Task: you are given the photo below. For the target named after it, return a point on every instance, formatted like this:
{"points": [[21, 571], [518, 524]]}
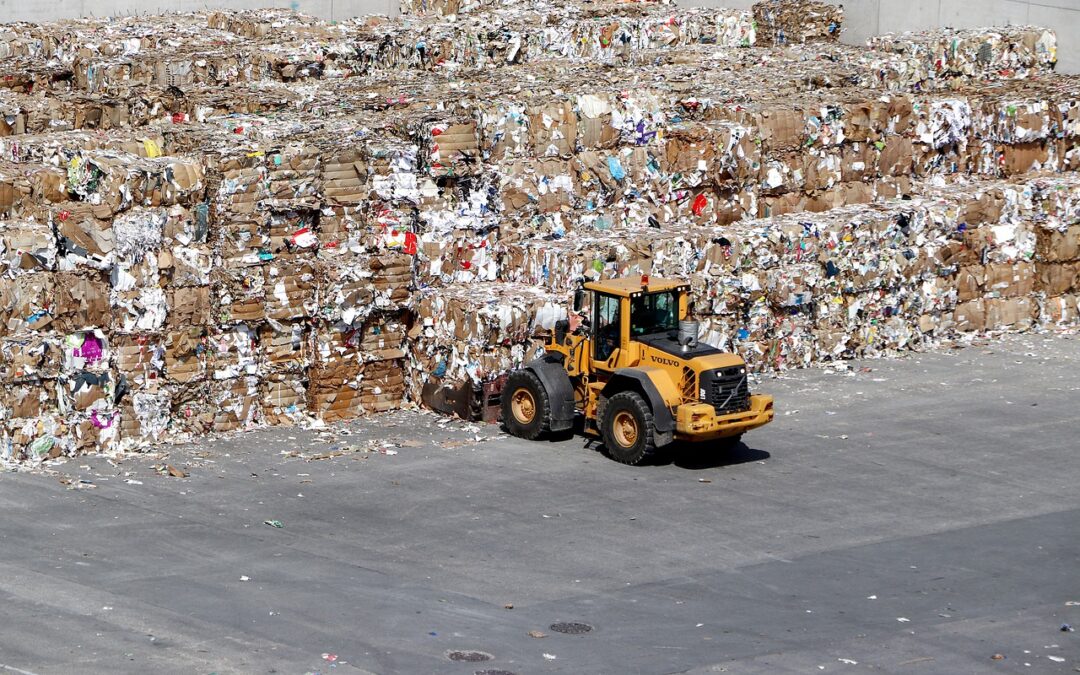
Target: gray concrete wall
{"points": [[870, 17], [864, 17]]}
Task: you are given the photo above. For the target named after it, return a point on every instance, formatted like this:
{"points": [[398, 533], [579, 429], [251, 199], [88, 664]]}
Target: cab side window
{"points": [[607, 327]]}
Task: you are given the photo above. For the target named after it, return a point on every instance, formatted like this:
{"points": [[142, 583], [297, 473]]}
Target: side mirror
{"points": [[579, 300]]}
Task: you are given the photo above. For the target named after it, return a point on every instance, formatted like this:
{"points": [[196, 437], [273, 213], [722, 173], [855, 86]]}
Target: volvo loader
{"points": [[629, 362]]}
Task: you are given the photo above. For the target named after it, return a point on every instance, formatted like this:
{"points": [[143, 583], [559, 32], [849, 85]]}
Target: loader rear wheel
{"points": [[627, 428], [526, 409]]}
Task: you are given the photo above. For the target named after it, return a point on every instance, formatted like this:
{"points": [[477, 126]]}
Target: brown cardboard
{"points": [[81, 301], [185, 359], [188, 307], [1057, 279]]}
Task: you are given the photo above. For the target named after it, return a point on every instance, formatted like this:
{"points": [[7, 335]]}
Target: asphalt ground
{"points": [[916, 515]]}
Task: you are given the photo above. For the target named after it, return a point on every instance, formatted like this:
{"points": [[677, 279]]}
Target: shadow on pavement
{"points": [[696, 457]]}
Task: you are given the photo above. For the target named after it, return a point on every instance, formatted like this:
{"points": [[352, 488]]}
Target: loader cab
{"points": [[623, 310]]}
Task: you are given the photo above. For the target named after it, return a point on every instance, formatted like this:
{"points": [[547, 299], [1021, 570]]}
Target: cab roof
{"points": [[630, 286]]}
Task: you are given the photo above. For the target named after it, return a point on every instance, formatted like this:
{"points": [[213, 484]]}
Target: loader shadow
{"points": [[698, 457], [695, 456]]}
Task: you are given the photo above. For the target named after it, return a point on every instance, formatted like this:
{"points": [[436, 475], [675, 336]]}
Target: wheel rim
{"points": [[625, 429], [523, 406]]}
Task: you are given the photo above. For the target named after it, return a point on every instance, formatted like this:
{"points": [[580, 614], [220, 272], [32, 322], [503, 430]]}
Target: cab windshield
{"points": [[654, 313]]}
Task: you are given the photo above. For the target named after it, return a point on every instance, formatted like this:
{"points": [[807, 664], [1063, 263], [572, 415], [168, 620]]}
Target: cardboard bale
{"points": [[139, 359], [26, 247], [27, 303], [947, 53], [781, 22], [189, 306], [35, 439], [971, 316], [240, 294], [96, 431], [334, 391], [1059, 245], [295, 178], [451, 148], [145, 417], [185, 356], [344, 178], [284, 398], [1010, 281], [290, 290], [86, 390], [81, 301], [380, 336], [284, 347], [1010, 313], [29, 399], [237, 402], [1056, 279], [193, 410], [1059, 310], [30, 358], [232, 352], [383, 386]]}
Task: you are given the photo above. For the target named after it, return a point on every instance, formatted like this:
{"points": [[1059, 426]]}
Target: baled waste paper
{"points": [[215, 221]]}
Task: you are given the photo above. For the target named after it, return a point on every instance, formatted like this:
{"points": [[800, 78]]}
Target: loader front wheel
{"points": [[526, 409], [627, 427]]}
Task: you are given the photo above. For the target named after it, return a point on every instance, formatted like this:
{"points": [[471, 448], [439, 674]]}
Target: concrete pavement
{"points": [[911, 516]]}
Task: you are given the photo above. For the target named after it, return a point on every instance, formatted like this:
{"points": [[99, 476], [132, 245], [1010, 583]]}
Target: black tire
{"points": [[618, 412], [524, 385]]}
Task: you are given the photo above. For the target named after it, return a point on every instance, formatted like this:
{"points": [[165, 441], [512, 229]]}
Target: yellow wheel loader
{"points": [[636, 372]]}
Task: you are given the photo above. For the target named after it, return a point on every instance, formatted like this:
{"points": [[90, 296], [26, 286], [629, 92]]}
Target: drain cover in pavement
{"points": [[571, 627], [494, 672], [468, 655]]}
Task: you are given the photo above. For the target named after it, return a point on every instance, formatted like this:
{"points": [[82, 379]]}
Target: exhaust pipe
{"points": [[688, 334]]}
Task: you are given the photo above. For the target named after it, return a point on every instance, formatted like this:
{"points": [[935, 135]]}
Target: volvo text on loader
{"points": [[636, 373]]}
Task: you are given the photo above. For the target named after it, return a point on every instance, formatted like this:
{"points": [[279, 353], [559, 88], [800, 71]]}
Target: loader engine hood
{"points": [[667, 342]]}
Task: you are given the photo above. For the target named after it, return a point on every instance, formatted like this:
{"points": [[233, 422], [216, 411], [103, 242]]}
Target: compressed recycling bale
{"points": [[284, 347], [350, 287], [232, 352], [1055, 279], [27, 247], [238, 403], [139, 359], [461, 338], [1059, 311], [36, 439], [185, 356], [1011, 51], [145, 417], [379, 336], [284, 398], [1060, 244], [781, 22], [239, 294], [345, 389], [344, 177], [29, 399], [289, 290], [96, 431], [414, 212], [192, 408], [30, 358]]}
